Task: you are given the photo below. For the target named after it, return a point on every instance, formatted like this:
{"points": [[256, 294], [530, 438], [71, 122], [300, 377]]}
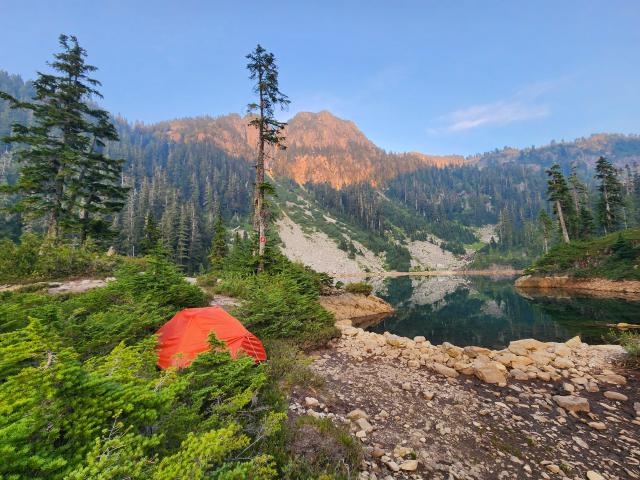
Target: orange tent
{"points": [[186, 335]]}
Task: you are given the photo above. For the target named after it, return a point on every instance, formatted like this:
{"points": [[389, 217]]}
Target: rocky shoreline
{"points": [[531, 410], [591, 286]]}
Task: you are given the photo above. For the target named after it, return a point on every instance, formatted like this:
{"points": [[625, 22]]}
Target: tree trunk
{"points": [[563, 226], [259, 217], [546, 244]]}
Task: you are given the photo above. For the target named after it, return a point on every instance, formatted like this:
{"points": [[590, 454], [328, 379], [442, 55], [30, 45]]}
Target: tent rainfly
{"points": [[186, 335]]}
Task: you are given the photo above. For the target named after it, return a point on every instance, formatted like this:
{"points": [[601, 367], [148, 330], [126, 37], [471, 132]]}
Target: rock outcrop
{"points": [[355, 309], [591, 286]]}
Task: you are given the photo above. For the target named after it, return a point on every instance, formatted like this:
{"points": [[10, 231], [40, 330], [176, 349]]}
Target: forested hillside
{"points": [[181, 174]]}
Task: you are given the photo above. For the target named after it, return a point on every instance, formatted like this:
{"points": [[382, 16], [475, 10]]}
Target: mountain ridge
{"points": [[321, 148]]}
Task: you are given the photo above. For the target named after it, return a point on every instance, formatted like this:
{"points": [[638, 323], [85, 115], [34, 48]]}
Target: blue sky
{"points": [[433, 76]]}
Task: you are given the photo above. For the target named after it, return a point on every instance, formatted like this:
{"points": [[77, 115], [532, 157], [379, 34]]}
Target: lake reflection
{"points": [[490, 313]]}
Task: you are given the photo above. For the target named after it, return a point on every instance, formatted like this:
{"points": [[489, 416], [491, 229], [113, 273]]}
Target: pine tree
{"points": [[610, 202], [264, 71], [559, 194], [150, 243], [219, 248], [64, 175], [580, 197]]}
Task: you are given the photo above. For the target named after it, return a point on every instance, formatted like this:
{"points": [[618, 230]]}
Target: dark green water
{"points": [[490, 313]]}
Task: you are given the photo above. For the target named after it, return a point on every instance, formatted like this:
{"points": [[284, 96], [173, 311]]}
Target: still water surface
{"points": [[488, 312]]}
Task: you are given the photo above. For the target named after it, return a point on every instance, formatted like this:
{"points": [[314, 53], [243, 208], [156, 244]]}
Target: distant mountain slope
{"points": [[620, 149], [321, 148]]}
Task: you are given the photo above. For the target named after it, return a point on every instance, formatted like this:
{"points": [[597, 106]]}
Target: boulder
{"points": [[473, 352], [573, 343], [490, 372], [444, 370], [520, 361], [505, 358], [541, 358], [528, 344], [564, 363], [572, 403], [518, 374]]}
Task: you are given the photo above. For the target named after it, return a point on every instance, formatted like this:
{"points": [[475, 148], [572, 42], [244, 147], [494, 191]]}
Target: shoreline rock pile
{"points": [[573, 362]]}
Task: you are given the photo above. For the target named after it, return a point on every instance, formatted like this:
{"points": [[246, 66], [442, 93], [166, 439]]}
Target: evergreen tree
{"points": [[151, 236], [64, 176], [610, 203], [264, 71], [219, 248], [580, 197], [558, 193], [587, 224]]}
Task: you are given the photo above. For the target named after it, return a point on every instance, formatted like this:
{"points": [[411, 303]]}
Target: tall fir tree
{"points": [[264, 72], [219, 248], [558, 194], [581, 222], [151, 237], [64, 175], [611, 202]]}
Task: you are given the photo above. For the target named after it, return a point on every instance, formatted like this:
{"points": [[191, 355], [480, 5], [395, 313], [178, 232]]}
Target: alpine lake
{"points": [[490, 312]]}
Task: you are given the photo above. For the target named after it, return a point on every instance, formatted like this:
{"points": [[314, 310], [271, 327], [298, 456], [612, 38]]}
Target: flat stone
{"points": [[615, 396], [572, 403], [377, 452], [592, 475], [419, 339], [393, 466], [357, 414], [401, 451], [446, 371], [311, 402], [364, 425], [597, 425], [409, 465], [580, 442], [527, 343], [612, 378], [553, 468]]}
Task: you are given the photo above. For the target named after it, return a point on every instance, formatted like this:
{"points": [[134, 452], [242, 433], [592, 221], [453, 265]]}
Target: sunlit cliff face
{"points": [[321, 148]]}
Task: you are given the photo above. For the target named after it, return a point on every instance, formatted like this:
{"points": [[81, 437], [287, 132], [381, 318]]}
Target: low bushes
{"points": [[615, 256], [35, 259], [359, 287]]}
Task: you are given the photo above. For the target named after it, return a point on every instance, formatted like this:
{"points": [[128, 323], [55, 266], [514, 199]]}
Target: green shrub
{"points": [[615, 256], [35, 259], [630, 341], [359, 287], [277, 306]]}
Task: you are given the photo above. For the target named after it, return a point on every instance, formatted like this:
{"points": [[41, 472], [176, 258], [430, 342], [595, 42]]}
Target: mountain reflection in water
{"points": [[488, 312]]}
